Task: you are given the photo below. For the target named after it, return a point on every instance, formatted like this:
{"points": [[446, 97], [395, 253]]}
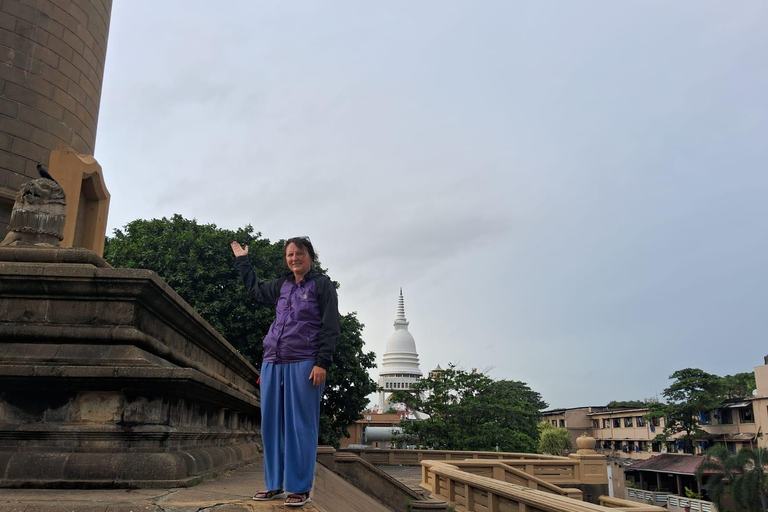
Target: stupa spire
{"points": [[400, 321]]}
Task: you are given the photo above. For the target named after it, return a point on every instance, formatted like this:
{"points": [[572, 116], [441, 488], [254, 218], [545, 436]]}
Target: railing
{"points": [[680, 504], [473, 493], [639, 495], [632, 506], [414, 457], [502, 472], [672, 502]]}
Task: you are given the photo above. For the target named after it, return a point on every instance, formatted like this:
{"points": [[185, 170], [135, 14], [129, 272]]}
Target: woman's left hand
{"points": [[317, 376]]}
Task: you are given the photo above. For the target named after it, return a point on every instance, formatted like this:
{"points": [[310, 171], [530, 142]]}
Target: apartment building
{"points": [[626, 433]]}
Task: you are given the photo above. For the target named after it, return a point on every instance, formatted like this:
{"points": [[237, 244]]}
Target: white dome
{"points": [[400, 356]]}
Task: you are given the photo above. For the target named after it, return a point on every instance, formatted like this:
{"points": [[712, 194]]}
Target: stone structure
{"points": [[400, 369], [53, 54], [109, 379], [38, 215]]}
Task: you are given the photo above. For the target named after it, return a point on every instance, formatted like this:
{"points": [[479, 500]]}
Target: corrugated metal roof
{"points": [[741, 436], [736, 405], [670, 463]]}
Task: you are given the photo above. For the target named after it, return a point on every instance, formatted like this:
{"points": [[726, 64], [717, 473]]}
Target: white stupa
{"points": [[400, 369]]}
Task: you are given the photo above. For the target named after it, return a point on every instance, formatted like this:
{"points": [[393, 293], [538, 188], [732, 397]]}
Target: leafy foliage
{"points": [[613, 404], [739, 385], [743, 475], [553, 440], [692, 391], [196, 261], [471, 411], [347, 384]]}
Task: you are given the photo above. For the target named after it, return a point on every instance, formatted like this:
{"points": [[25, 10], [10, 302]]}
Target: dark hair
{"points": [[302, 242]]}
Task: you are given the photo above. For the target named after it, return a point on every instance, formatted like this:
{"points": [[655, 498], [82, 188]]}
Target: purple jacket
{"points": [[306, 326]]}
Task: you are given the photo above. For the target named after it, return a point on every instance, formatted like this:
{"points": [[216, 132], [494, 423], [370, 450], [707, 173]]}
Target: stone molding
{"points": [[108, 378]]}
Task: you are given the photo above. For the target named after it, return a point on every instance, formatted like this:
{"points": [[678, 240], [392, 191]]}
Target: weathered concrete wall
{"points": [[108, 378]]}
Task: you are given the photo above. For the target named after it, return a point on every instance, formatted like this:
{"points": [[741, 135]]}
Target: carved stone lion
{"points": [[38, 215]]}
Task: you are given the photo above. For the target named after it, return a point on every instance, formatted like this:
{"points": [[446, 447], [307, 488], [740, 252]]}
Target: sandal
{"points": [[268, 495], [301, 499]]}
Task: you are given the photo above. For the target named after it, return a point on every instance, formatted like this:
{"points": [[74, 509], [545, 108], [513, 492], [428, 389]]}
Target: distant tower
{"points": [[400, 369]]}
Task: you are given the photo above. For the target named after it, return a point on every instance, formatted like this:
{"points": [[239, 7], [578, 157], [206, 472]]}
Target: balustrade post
{"points": [[592, 468], [469, 493], [493, 502]]}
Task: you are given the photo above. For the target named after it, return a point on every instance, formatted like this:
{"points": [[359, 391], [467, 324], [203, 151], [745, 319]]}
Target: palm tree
{"points": [[719, 461], [742, 475], [750, 489]]}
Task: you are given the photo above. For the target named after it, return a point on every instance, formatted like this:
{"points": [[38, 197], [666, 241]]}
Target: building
{"points": [[357, 432], [626, 433], [400, 369], [575, 420]]}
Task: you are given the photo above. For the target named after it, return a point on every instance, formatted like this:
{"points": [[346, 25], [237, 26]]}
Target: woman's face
{"points": [[298, 259]]}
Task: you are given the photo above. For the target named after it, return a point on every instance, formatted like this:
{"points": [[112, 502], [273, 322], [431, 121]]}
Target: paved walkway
{"points": [[409, 475], [231, 492]]}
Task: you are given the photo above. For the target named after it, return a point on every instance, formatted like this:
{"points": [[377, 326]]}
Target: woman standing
{"points": [[298, 350]]}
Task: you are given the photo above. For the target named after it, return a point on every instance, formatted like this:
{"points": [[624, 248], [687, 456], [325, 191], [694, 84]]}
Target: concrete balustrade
{"points": [[502, 472], [632, 506], [414, 457], [474, 493], [671, 502]]}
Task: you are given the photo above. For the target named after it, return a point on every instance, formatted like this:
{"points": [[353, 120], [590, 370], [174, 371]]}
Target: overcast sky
{"points": [[571, 194]]}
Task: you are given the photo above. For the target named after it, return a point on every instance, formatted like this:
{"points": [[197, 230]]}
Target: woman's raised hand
{"points": [[239, 250]]}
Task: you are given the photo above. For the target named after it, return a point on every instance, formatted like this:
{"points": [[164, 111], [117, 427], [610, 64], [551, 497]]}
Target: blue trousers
{"points": [[290, 420]]}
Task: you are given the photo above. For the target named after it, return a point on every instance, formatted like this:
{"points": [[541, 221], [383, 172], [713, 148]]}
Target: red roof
{"points": [[670, 463]]}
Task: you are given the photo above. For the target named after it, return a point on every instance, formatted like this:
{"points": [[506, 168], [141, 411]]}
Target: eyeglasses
{"points": [[293, 239]]}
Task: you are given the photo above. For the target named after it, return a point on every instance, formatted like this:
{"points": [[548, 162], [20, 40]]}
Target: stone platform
{"points": [[109, 379], [229, 493]]}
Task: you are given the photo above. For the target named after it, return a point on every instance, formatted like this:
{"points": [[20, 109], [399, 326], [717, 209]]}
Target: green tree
{"points": [[553, 440], [347, 384], [739, 385], [471, 411], [613, 404], [692, 391], [196, 261], [743, 475]]}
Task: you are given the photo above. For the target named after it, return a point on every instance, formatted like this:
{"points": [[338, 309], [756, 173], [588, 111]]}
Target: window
{"points": [[640, 421], [606, 423], [562, 423], [655, 421], [628, 422], [746, 415], [617, 445], [726, 416], [705, 417], [595, 423], [616, 422], [655, 446]]}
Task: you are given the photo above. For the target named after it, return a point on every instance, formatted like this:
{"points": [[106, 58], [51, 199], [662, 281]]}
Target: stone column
{"points": [[53, 54]]}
